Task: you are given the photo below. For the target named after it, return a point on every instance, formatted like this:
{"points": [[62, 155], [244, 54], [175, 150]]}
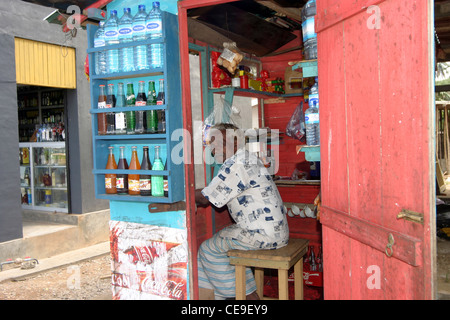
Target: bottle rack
{"points": [[170, 72]]}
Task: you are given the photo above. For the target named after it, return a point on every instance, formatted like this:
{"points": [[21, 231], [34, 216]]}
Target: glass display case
{"points": [[44, 176]]}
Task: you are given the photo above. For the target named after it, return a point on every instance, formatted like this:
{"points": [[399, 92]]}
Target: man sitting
{"points": [[254, 203]]}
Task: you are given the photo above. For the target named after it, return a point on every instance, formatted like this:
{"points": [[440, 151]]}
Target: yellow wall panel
{"points": [[44, 64]]}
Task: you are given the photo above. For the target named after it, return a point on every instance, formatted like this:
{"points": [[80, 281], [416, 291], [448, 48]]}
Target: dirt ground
{"points": [[91, 280], [87, 280]]}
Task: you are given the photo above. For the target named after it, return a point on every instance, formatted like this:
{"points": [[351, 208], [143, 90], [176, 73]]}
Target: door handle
{"points": [[411, 216]]}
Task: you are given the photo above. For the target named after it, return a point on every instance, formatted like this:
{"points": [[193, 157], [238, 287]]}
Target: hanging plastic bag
{"points": [[296, 126], [223, 112]]}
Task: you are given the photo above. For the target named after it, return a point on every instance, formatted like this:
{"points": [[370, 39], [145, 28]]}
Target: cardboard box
{"points": [[292, 81]]}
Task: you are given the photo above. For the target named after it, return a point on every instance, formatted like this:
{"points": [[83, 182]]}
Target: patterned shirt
{"points": [[253, 200]]}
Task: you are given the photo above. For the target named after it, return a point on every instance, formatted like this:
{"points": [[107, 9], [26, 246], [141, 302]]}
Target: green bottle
{"points": [[157, 180], [131, 117], [152, 115]]}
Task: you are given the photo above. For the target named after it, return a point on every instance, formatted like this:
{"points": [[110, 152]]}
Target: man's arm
{"points": [[200, 199]]}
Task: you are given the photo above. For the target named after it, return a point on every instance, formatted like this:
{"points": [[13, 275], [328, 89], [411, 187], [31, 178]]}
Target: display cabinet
{"points": [[170, 140], [44, 176]]}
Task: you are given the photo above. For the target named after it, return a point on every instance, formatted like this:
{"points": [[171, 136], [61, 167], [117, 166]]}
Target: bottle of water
{"points": [[140, 52], [111, 38], [126, 57], [309, 34], [154, 31], [312, 117], [100, 56]]}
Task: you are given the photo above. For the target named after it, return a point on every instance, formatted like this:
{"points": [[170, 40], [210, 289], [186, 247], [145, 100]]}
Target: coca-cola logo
{"points": [[169, 288]]}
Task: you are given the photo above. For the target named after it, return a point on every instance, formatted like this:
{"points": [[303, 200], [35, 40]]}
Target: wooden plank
{"points": [[286, 253], [298, 280], [405, 248], [283, 289], [240, 282]]}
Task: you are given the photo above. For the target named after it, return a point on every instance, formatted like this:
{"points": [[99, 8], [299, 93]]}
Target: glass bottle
{"points": [[157, 180], [131, 101], [141, 100], [122, 179], [110, 179], [101, 117], [110, 103], [145, 179], [166, 181], [161, 99], [152, 115], [133, 179], [121, 119]]}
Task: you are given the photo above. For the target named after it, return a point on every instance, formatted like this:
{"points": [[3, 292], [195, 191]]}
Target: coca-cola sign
{"points": [[149, 262]]}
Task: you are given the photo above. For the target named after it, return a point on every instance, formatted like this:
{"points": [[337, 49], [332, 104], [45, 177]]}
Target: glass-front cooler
{"points": [[48, 177]]}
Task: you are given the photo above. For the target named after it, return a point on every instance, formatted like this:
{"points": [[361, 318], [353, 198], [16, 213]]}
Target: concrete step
{"points": [[47, 234], [57, 261]]}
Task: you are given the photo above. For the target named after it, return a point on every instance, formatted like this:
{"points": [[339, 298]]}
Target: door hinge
{"points": [[411, 216]]}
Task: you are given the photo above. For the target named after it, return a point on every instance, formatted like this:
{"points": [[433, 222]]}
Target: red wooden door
{"points": [[377, 153]]}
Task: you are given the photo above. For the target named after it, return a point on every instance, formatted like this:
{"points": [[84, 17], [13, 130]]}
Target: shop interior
{"points": [[298, 177], [42, 115]]}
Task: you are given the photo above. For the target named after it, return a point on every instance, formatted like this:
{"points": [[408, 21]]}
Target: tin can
{"points": [[48, 197]]}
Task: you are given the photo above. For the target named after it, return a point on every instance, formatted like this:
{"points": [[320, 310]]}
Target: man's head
{"points": [[225, 140]]}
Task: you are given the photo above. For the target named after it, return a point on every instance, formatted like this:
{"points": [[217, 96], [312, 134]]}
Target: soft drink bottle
{"points": [[100, 56], [151, 115], [157, 180], [166, 181], [126, 36], [161, 100], [140, 52], [141, 100], [154, 31], [111, 38], [101, 117], [110, 103], [133, 179], [122, 179], [110, 179], [131, 101], [145, 179], [121, 119]]}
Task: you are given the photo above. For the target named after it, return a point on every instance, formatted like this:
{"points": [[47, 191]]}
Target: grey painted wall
{"points": [[25, 20]]}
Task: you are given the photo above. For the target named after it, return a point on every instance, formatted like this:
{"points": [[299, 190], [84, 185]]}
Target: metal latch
{"points": [[411, 216]]}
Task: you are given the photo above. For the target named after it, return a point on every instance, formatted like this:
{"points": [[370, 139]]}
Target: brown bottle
{"points": [[133, 179], [145, 179], [101, 117], [122, 179], [110, 179]]}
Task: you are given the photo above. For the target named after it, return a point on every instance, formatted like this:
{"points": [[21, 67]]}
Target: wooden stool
{"points": [[282, 259]]}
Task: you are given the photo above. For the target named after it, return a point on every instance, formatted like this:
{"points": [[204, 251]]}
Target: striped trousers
{"points": [[215, 271]]}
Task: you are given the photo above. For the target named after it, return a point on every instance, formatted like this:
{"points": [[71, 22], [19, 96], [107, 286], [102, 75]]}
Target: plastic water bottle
{"points": [[312, 117], [309, 34], [154, 31], [140, 52], [100, 56], [111, 38], [126, 55]]}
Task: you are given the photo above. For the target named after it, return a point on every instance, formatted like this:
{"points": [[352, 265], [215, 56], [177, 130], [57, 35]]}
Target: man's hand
{"points": [[200, 199]]}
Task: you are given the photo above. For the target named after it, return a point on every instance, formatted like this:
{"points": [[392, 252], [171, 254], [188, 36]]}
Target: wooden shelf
{"points": [[252, 93]]}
